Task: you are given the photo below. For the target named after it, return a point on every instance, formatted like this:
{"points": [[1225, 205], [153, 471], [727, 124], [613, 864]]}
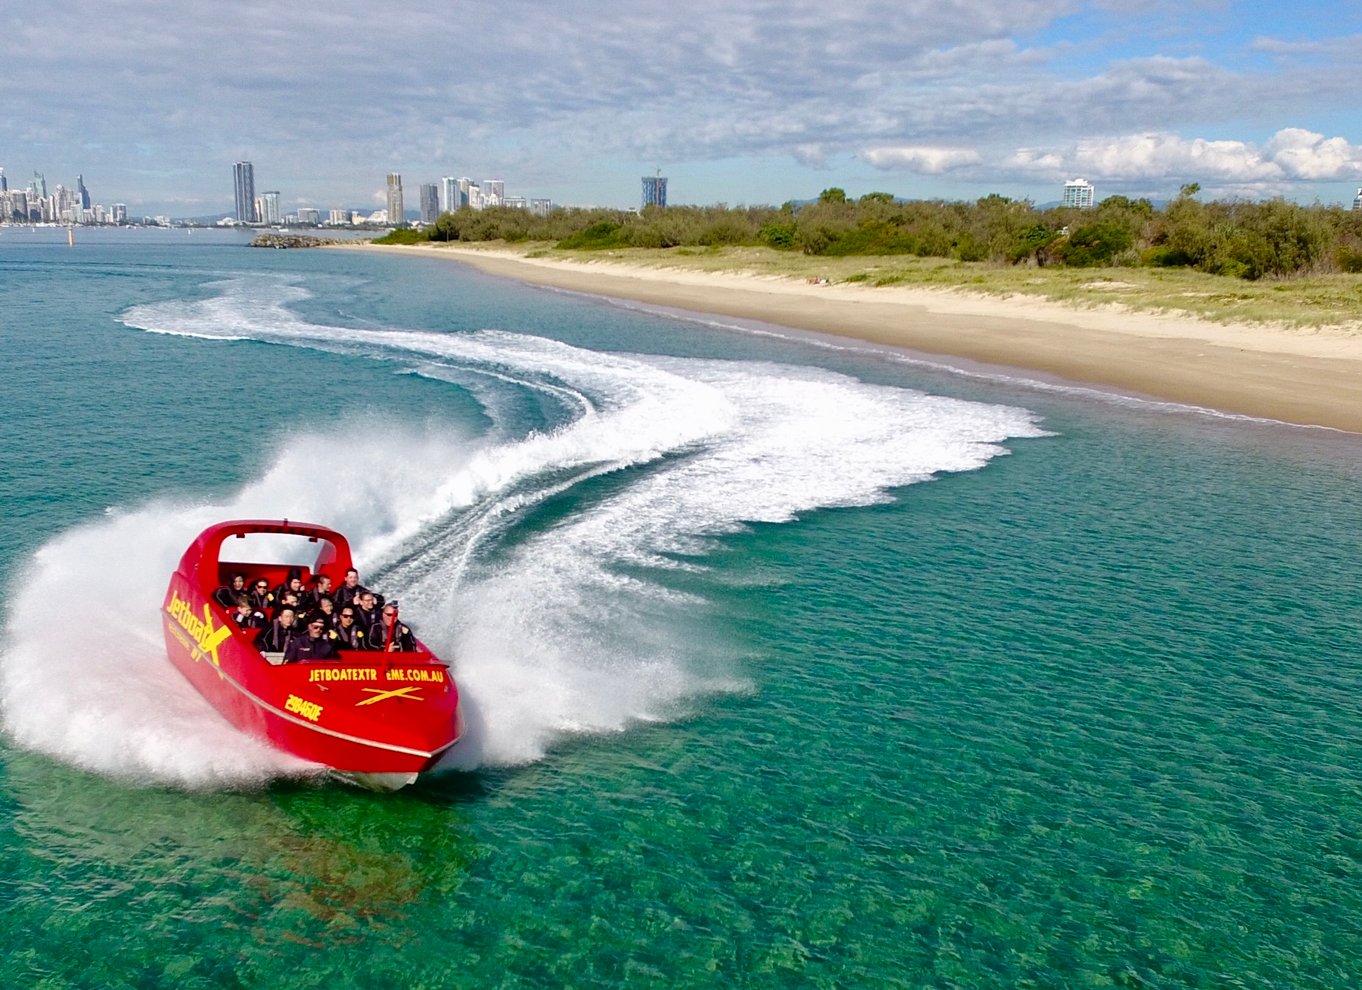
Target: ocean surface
{"points": [[788, 662]]}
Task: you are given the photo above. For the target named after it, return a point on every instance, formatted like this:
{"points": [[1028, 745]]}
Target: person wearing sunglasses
{"points": [[315, 644]]}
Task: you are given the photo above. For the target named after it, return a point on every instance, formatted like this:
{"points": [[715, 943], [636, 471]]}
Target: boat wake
{"points": [[558, 567]]}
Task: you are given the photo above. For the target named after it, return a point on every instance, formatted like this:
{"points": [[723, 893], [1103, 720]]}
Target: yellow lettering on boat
{"points": [[407, 692], [310, 710], [343, 674], [207, 637], [430, 675]]}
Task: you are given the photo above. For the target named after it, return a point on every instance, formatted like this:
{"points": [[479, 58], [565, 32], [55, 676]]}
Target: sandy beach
{"points": [[1307, 378]]}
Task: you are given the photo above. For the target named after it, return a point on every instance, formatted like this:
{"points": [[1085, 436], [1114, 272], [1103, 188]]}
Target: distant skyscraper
{"points": [[430, 202], [39, 185], [1078, 193], [493, 192], [82, 192], [449, 194], [1357, 200], [655, 190], [397, 214], [4, 183], [244, 175], [269, 202]]}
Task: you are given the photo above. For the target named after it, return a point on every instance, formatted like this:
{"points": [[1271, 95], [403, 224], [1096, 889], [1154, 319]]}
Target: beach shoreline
{"points": [[1308, 379]]}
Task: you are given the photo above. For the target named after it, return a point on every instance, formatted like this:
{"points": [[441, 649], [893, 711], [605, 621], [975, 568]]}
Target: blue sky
{"points": [[737, 101]]}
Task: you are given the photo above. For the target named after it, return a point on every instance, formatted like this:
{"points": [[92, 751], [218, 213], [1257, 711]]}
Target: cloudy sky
{"points": [[737, 101]]}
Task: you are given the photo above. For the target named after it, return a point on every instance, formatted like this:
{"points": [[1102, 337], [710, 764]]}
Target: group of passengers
{"points": [[314, 623]]}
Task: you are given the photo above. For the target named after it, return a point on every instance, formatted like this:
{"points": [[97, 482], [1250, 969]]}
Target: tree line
{"points": [[1252, 240]]}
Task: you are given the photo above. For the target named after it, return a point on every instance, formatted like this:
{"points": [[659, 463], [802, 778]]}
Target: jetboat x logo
{"points": [[207, 637]]}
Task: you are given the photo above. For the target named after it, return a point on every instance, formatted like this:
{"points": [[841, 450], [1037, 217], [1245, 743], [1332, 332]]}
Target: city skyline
{"points": [[737, 103]]}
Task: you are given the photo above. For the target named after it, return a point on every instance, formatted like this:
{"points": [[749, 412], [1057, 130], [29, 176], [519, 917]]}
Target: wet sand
{"points": [[1308, 378]]}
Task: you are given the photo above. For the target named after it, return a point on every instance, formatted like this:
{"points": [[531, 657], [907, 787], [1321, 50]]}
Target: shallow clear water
{"points": [[788, 663]]}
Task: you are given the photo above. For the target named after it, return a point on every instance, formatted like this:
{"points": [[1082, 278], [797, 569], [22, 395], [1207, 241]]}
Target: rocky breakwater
{"points": [[292, 241]]}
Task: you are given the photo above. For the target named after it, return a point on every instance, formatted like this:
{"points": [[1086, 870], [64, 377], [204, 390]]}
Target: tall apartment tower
{"points": [[1078, 193], [4, 183], [430, 202], [243, 175], [269, 207], [449, 194], [655, 190], [397, 212], [1357, 200], [82, 192]]}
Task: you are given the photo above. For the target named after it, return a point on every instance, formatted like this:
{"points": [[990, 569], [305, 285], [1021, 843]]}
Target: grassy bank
{"points": [[1308, 303]]}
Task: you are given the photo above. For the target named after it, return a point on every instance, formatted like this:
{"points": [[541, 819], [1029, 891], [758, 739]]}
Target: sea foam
{"points": [[554, 629]]}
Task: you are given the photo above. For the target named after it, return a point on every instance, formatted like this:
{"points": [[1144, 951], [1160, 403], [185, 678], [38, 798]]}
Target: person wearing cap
{"points": [[315, 644], [293, 583], [390, 635]]}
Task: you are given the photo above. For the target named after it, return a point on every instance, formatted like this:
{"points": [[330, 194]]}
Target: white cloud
{"points": [[927, 160]]}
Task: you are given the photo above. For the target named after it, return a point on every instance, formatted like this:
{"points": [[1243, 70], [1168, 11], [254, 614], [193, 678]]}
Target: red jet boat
{"points": [[377, 718]]}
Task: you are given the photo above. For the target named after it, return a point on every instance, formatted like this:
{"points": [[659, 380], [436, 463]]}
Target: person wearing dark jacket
{"points": [[350, 590], [247, 617], [390, 635], [366, 610], [227, 595], [276, 637], [349, 636], [315, 645], [321, 588], [293, 583], [261, 599]]}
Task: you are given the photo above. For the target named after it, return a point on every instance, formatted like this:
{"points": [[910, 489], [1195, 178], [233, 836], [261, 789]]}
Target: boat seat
{"points": [[276, 659]]}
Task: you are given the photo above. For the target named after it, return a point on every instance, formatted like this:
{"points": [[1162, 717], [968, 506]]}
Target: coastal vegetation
{"points": [[1253, 241]]}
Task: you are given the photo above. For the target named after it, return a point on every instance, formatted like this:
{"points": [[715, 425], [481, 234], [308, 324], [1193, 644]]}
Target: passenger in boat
{"points": [[261, 599], [276, 637], [247, 617], [326, 608], [288, 600], [349, 590], [390, 635], [349, 636], [227, 595], [366, 610], [315, 644], [293, 583], [321, 588]]}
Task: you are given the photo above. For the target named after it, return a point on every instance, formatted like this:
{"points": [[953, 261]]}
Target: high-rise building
{"points": [[269, 206], [39, 185], [1078, 193], [430, 202], [1357, 200], [120, 213], [468, 193], [244, 175], [309, 216], [82, 192], [4, 183], [493, 192], [397, 214], [449, 194], [655, 190]]}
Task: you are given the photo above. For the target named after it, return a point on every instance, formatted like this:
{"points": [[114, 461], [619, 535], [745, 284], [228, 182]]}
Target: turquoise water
{"points": [[753, 701]]}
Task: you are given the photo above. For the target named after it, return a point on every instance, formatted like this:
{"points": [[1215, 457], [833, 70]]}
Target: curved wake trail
{"points": [[555, 629]]}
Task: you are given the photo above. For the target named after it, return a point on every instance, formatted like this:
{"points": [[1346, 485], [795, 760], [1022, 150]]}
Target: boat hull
{"points": [[370, 713]]}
